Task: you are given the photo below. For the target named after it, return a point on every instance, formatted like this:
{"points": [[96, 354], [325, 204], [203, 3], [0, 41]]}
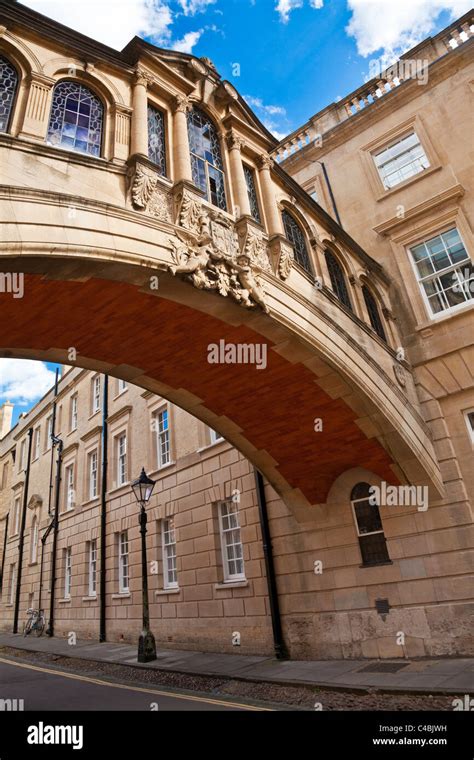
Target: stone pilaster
{"points": [[123, 120], [38, 106]]}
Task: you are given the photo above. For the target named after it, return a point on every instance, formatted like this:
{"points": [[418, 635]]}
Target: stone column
{"points": [[139, 136], [237, 176], [272, 212], [182, 159], [38, 106]]}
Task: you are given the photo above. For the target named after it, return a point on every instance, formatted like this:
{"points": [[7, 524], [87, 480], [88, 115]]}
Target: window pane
{"points": [[338, 279], [76, 118], [252, 193], [156, 139], [294, 234], [8, 86], [205, 152]]}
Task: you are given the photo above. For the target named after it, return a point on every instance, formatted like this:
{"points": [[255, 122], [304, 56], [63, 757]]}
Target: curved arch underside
{"points": [[162, 345]]}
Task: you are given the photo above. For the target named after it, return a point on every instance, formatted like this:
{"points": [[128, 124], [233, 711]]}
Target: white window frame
{"points": [[229, 576], [92, 569], [12, 587], [122, 476], [49, 432], [169, 556], [122, 386], [96, 386], [37, 443], [93, 473], [124, 562], [163, 438], [70, 482], [215, 437], [451, 269], [73, 413], [34, 540], [16, 515], [67, 572], [21, 461], [422, 160], [469, 425]]}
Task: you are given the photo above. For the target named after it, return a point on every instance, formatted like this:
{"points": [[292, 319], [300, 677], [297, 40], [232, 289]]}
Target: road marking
{"points": [[98, 682]]}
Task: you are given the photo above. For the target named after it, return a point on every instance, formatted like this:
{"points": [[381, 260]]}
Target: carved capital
{"points": [[181, 104], [265, 162], [234, 142], [142, 77]]}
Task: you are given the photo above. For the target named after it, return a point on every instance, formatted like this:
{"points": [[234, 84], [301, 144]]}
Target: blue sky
{"points": [[294, 57]]}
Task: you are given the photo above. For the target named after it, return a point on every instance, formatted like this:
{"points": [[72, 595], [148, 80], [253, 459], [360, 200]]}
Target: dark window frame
{"points": [[337, 276], [296, 237], [372, 543]]}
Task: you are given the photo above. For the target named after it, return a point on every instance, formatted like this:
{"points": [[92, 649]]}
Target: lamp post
{"points": [[143, 489]]}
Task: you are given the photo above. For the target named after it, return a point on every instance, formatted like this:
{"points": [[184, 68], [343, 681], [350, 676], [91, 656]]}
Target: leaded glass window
{"points": [[156, 139], [8, 85], [76, 119], [206, 160], [252, 193], [373, 311], [296, 237], [338, 279], [373, 546]]}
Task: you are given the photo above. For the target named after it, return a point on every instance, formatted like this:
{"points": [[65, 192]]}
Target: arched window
{"points": [[373, 546], [373, 311], [295, 235], [8, 86], [156, 139], [206, 159], [76, 119], [34, 540], [338, 279]]}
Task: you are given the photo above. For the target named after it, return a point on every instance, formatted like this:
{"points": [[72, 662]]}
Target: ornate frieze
{"points": [[147, 194], [286, 261]]}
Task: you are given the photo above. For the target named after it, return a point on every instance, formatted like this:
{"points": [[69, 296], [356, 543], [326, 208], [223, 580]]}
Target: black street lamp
{"points": [[143, 489]]}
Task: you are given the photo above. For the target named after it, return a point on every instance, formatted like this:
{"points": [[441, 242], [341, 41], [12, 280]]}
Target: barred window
{"points": [[170, 573], [92, 575], [123, 563], [295, 235], [156, 139], [231, 542], [8, 88], [445, 271], [76, 119], [252, 193], [206, 159], [373, 546], [338, 279], [373, 312], [67, 572]]}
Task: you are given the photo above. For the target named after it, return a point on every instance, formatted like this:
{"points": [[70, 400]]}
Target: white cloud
{"points": [[187, 43], [284, 7], [191, 7], [394, 27], [274, 130], [260, 105], [23, 380], [110, 21]]}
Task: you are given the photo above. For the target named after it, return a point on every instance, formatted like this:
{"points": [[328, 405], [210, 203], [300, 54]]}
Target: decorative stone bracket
{"points": [[147, 193]]}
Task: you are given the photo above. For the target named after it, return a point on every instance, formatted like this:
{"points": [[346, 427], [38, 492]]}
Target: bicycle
{"points": [[36, 622]]}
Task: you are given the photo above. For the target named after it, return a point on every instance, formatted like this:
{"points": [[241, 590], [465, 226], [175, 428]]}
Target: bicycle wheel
{"points": [[39, 627], [27, 627]]}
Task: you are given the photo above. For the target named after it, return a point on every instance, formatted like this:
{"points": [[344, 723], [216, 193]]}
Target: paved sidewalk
{"points": [[440, 676]]}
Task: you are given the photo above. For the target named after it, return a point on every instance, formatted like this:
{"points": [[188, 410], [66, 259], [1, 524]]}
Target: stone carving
{"points": [[193, 217], [208, 268], [182, 104], [256, 249], [223, 235], [400, 374], [146, 193], [287, 257]]}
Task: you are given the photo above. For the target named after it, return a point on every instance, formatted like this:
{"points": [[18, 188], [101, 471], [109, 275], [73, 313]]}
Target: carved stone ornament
{"points": [[193, 217], [182, 104], [209, 268], [400, 374], [142, 76], [148, 195], [35, 502], [256, 250], [287, 258]]}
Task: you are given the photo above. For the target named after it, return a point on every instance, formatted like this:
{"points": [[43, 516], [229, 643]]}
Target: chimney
{"points": [[6, 414]]}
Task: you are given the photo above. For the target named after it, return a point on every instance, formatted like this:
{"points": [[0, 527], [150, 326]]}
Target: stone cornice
{"points": [[125, 410], [91, 433], [395, 222]]}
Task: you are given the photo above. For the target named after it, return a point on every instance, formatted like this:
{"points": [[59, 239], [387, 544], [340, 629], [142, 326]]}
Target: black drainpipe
{"points": [[43, 541], [53, 433], [5, 538], [103, 506], [278, 641], [333, 200], [59, 443], [22, 533]]}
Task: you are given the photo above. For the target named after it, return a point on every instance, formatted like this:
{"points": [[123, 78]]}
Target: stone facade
{"points": [[338, 404]]}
